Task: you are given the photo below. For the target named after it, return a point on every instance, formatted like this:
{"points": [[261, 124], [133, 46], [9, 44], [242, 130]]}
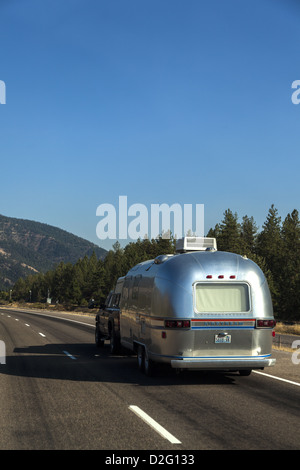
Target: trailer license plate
{"points": [[223, 339]]}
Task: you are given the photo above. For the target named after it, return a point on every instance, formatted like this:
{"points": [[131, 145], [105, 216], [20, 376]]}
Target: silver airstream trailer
{"points": [[198, 309]]}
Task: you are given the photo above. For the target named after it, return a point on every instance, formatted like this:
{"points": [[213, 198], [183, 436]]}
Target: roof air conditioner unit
{"points": [[187, 244]]}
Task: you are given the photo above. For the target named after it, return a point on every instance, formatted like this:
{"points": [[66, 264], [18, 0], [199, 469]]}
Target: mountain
{"points": [[28, 247]]}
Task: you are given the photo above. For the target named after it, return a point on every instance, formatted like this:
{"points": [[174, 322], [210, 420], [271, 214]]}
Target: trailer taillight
{"points": [[177, 324], [262, 323], [220, 276]]}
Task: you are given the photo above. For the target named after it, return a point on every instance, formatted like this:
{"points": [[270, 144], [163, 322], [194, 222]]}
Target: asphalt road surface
{"points": [[58, 391]]}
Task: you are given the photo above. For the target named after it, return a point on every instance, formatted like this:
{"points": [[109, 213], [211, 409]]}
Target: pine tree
{"points": [[76, 283], [290, 268], [229, 237], [20, 289], [248, 235], [270, 247], [97, 283], [269, 242]]}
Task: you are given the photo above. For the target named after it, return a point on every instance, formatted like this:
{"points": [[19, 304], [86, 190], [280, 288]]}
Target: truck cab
{"points": [[108, 320]]}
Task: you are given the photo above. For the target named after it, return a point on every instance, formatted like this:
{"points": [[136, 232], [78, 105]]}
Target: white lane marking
{"points": [[26, 324], [88, 324], [42, 334], [157, 427], [277, 378], [16, 319], [69, 355], [58, 318]]}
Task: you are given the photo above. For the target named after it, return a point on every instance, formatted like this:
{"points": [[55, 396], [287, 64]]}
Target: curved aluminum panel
{"points": [[168, 285], [154, 291]]}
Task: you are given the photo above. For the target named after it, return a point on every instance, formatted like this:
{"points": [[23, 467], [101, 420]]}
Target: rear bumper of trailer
{"points": [[223, 363]]}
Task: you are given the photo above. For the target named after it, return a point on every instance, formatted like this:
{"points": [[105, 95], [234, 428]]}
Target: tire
{"points": [[245, 373], [98, 340], [141, 358], [114, 341], [149, 366]]}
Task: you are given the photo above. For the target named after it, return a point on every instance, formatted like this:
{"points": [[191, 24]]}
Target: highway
{"points": [[60, 392]]}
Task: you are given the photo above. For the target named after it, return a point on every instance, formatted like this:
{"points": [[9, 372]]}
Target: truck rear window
{"points": [[223, 297]]}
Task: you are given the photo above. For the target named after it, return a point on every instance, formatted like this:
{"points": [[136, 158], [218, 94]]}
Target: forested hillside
{"points": [[275, 248], [30, 247]]}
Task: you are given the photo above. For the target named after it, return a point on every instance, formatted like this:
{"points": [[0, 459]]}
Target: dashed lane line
{"points": [[88, 324], [69, 355], [154, 424]]}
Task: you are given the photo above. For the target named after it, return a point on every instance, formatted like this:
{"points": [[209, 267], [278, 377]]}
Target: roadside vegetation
{"points": [[275, 248], [290, 329]]}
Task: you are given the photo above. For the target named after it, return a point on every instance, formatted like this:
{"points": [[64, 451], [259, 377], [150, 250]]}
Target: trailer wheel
{"points": [[98, 339], [114, 341], [149, 366], [245, 373], [141, 357]]}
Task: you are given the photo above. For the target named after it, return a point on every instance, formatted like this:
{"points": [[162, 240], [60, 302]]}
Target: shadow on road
{"points": [[85, 362]]}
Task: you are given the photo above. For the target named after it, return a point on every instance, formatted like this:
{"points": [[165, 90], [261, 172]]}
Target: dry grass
{"points": [[288, 329], [283, 329], [282, 348]]}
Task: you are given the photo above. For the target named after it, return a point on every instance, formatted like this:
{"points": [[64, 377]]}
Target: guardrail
{"points": [[284, 340]]}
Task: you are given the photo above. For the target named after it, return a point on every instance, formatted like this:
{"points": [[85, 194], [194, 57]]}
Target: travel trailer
{"points": [[198, 309]]}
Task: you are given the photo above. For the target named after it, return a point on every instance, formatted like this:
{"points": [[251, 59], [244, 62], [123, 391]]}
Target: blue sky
{"points": [[164, 101]]}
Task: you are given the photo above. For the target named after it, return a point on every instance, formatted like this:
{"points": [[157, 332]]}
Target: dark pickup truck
{"points": [[108, 320]]}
